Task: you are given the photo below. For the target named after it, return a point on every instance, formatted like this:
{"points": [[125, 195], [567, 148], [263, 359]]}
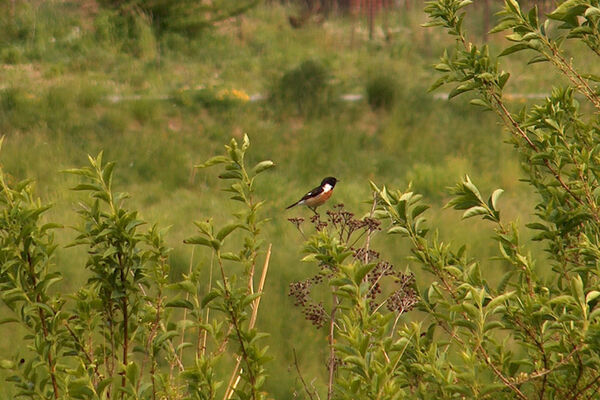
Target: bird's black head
{"points": [[329, 180]]}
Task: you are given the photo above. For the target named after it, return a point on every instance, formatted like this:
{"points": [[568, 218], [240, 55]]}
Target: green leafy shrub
{"points": [[129, 32], [382, 91], [305, 88], [16, 108], [187, 17], [533, 332], [130, 332], [11, 55], [368, 296]]}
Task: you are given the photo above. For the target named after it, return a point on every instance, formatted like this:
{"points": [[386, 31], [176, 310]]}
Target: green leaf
{"points": [[503, 25], [577, 289], [107, 173], [187, 286], [226, 230], [474, 211], [398, 230], [492, 325], [418, 210], [103, 385], [592, 12], [209, 297], [532, 16], [568, 10], [362, 271], [199, 240], [494, 198], [592, 295], [213, 161], [463, 3], [480, 103], [231, 175], [440, 82], [263, 166], [88, 186], [180, 303], [230, 256], [503, 79], [8, 320], [463, 88], [563, 299], [132, 371], [513, 5], [513, 49], [500, 299], [309, 258]]}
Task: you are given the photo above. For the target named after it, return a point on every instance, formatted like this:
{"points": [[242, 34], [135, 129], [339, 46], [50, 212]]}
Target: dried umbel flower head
{"points": [[382, 269], [402, 300], [300, 291], [296, 221], [315, 313], [405, 280], [365, 255], [317, 222], [372, 224]]}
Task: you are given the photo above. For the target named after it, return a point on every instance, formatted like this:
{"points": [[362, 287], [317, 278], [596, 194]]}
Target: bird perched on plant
{"points": [[318, 195]]}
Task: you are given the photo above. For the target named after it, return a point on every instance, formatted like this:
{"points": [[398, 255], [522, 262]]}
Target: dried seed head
{"points": [[363, 254], [315, 313], [317, 222], [300, 291], [372, 224], [296, 221], [402, 300]]}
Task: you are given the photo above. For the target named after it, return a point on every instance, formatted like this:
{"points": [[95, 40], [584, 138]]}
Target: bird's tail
{"points": [[295, 204]]}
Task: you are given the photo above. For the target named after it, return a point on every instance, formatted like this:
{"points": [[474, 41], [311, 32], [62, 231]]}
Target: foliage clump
{"points": [[305, 89], [382, 91], [187, 17], [367, 298], [531, 334], [130, 332]]}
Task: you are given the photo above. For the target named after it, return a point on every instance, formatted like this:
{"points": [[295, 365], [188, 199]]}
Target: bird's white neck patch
{"points": [[327, 188]]}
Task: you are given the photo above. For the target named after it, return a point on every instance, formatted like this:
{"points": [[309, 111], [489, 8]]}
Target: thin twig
{"points": [[233, 380], [300, 375], [368, 241], [210, 277], [331, 348], [235, 377], [261, 284], [187, 297]]}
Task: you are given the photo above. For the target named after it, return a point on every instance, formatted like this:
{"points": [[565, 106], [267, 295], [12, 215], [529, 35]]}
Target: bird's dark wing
{"points": [[315, 192]]}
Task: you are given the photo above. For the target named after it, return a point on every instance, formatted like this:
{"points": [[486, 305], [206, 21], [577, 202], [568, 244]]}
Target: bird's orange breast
{"points": [[318, 200]]}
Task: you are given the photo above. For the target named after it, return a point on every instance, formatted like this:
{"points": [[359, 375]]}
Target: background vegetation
{"points": [[79, 77]]}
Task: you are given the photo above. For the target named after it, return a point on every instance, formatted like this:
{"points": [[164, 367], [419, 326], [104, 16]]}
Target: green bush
{"points": [[187, 17], [129, 32], [11, 55], [382, 91], [130, 332], [533, 333], [306, 89]]}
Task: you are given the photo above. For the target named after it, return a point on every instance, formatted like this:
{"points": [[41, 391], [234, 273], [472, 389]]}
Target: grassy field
{"points": [[71, 85]]}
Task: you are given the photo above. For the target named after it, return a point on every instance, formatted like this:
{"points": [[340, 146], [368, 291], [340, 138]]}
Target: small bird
{"points": [[318, 195]]}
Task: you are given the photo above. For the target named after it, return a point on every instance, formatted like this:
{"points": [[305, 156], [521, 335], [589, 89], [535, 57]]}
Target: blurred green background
{"points": [[80, 77]]}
